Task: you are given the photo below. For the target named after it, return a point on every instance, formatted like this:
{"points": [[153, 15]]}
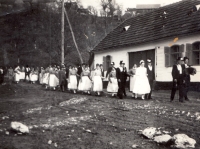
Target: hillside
{"points": [[33, 36]]}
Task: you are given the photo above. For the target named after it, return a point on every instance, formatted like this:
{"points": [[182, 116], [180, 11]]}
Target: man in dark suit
{"points": [[178, 75], [121, 73], [27, 72], [110, 69], [62, 78], [187, 77], [102, 70], [151, 77]]}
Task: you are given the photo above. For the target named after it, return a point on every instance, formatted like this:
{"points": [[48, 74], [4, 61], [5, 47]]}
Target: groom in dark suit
{"points": [[151, 77], [178, 75], [121, 74]]}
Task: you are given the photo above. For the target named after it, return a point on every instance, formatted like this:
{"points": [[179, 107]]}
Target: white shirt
{"points": [[179, 68], [186, 66], [150, 67], [121, 69]]}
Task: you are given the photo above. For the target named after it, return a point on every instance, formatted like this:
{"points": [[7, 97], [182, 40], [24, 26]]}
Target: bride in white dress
{"points": [[141, 85]]}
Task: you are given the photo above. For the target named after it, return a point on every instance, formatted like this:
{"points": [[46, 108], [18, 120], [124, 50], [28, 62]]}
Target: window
{"points": [[193, 53], [172, 53], [196, 53]]}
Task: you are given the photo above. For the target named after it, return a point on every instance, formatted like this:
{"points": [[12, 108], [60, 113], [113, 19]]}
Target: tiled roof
{"points": [[154, 26], [147, 6]]}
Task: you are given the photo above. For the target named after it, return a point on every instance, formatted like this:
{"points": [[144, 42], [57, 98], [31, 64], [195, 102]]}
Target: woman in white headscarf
{"points": [[141, 85], [17, 74]]}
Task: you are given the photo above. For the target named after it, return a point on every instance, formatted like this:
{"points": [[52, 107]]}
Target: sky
{"points": [[127, 3]]}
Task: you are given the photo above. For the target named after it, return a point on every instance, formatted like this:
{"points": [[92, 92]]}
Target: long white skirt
{"points": [[97, 84], [41, 78], [33, 77], [132, 82], [17, 77], [53, 80], [112, 87], [46, 78], [22, 75], [73, 82], [141, 85], [85, 84]]}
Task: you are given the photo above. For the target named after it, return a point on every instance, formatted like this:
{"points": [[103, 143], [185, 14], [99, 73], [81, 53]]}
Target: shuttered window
{"points": [[167, 56], [172, 53], [196, 53]]}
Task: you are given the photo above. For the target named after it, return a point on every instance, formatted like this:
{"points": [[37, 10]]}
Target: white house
{"points": [[161, 35]]}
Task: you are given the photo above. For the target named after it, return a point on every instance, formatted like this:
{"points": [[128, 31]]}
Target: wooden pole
{"points": [[73, 36], [62, 33]]}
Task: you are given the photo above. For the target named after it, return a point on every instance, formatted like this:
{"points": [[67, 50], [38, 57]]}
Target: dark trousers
{"points": [[178, 85], [27, 74], [121, 89], [151, 86], [187, 86]]}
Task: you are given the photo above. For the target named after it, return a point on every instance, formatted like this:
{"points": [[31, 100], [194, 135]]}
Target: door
{"points": [[135, 57]]}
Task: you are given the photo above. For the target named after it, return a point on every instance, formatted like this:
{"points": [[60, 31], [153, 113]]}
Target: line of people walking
{"points": [[86, 81]]}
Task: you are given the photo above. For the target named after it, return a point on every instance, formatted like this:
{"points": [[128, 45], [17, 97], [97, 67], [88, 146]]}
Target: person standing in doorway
{"points": [[151, 77], [178, 76]]}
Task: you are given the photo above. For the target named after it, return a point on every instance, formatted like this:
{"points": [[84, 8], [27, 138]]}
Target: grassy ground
{"points": [[78, 121]]}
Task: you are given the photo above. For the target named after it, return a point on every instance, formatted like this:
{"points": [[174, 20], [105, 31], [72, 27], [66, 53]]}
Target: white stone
{"points": [[162, 138], [19, 127], [135, 146], [49, 142], [183, 141], [149, 132]]}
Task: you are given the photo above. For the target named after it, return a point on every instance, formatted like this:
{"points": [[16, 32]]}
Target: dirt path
{"points": [[90, 122]]}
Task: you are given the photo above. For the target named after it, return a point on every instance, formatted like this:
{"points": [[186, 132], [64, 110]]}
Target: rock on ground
{"points": [[162, 139], [19, 127], [149, 132], [183, 141]]}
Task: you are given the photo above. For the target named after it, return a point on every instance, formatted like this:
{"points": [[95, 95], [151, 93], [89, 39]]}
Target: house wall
{"points": [[163, 74]]}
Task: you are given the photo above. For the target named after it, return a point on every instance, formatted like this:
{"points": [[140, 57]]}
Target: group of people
{"points": [[83, 79], [181, 72]]}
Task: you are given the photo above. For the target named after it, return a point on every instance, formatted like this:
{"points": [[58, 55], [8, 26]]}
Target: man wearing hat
{"points": [[187, 77], [121, 74], [178, 75], [110, 69], [151, 77]]}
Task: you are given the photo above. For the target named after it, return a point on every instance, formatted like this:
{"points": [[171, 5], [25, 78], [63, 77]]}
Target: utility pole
{"points": [[62, 32]]}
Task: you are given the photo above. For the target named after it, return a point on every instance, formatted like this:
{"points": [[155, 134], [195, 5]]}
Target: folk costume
{"points": [[33, 76], [72, 84], [45, 79], [97, 80], [85, 83], [53, 79], [113, 83], [42, 72], [17, 74]]}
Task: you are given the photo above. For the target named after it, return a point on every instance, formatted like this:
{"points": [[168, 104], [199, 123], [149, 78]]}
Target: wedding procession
{"points": [[99, 74]]}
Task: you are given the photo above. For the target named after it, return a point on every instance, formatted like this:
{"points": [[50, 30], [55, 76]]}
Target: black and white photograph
{"points": [[99, 74]]}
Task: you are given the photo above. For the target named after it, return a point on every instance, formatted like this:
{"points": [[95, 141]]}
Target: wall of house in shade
{"points": [[163, 72]]}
